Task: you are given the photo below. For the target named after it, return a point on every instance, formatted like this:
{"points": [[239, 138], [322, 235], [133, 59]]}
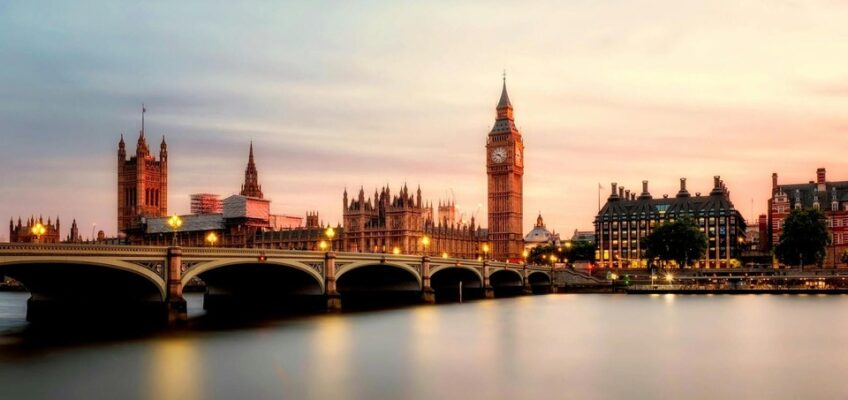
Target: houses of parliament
{"points": [[394, 222]]}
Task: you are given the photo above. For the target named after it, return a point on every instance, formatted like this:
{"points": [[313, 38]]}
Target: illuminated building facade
{"points": [[627, 219]]}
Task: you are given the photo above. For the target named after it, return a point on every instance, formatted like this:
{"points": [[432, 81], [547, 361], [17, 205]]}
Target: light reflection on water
{"points": [[556, 346]]}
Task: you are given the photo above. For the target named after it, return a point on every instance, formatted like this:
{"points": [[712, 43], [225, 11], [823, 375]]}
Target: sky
{"points": [[346, 94]]}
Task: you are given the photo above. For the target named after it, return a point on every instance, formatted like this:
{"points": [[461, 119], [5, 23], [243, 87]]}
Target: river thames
{"points": [[565, 346]]}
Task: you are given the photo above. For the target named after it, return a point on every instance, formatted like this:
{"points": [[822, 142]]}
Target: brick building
{"points": [[830, 197], [142, 185], [22, 232]]}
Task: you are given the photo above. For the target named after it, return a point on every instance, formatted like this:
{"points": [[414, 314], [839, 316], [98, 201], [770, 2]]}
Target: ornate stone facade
{"points": [[385, 222], [142, 184], [22, 231], [505, 169]]}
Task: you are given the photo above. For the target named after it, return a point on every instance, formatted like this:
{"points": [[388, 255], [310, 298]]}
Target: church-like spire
{"points": [[504, 108], [251, 187], [504, 101]]}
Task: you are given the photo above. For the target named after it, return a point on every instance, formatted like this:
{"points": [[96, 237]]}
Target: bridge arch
{"points": [[455, 282], [439, 268], [506, 277], [365, 264], [539, 278], [201, 268], [17, 268]]}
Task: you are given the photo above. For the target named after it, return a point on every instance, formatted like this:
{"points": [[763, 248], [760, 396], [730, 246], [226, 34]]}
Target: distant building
{"points": [[583, 236], [283, 221], [206, 203], [142, 184], [829, 197], [386, 221], [625, 220], [22, 232], [540, 235], [74, 235]]}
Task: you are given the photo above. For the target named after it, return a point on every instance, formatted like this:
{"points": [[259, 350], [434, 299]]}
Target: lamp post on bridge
{"points": [[330, 233], [175, 222], [425, 243], [38, 230], [211, 238]]}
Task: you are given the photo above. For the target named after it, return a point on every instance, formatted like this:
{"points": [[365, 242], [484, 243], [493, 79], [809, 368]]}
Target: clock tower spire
{"points": [[505, 170]]}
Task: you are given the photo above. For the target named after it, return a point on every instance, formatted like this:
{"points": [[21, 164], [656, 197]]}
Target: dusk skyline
{"points": [[348, 96]]}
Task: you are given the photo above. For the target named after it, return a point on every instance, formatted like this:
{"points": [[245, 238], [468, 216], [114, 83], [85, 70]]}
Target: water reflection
{"points": [[175, 370], [558, 346]]}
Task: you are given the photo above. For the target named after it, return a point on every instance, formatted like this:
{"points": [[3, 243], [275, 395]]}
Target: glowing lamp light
{"points": [[38, 230], [396, 250], [322, 245], [444, 255], [211, 238], [425, 241], [175, 222], [669, 278], [330, 232]]}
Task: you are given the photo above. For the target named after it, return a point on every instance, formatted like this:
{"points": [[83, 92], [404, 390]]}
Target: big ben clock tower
{"points": [[505, 169]]}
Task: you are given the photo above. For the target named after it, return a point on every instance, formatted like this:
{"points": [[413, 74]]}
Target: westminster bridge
{"points": [[104, 280]]}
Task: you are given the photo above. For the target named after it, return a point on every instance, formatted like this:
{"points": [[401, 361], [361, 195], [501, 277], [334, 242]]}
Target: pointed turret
{"points": [[504, 107], [163, 149], [251, 187]]}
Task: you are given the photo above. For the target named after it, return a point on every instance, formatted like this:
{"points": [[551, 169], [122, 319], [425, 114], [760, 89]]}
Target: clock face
{"points": [[499, 155]]}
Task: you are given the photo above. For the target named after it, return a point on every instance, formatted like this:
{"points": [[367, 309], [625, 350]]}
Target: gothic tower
{"points": [[142, 183], [505, 169], [251, 187]]}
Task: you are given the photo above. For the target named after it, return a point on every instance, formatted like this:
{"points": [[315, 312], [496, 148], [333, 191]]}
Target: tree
{"points": [[804, 238], [578, 250], [680, 241]]}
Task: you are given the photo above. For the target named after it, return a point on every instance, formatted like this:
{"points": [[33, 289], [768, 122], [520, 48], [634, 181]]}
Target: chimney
{"points": [[773, 182], [627, 194], [683, 192], [621, 191], [614, 192], [718, 186], [820, 180], [645, 195]]}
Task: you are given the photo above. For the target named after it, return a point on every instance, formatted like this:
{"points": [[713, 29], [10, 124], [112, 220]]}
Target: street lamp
{"points": [[425, 241], [211, 238], [486, 250], [175, 222], [444, 254], [568, 244], [322, 245], [669, 278], [524, 255], [38, 230], [396, 250], [330, 232]]}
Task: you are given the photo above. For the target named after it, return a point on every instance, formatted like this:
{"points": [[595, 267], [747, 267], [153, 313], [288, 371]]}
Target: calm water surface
{"points": [[555, 346]]}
